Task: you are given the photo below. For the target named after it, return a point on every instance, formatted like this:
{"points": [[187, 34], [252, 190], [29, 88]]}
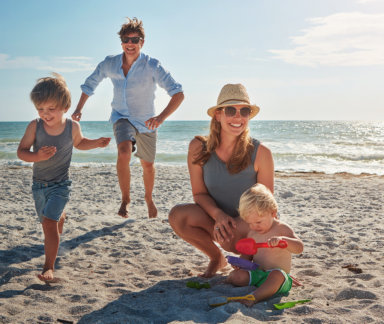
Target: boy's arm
{"points": [[83, 143], [295, 244], [24, 150]]}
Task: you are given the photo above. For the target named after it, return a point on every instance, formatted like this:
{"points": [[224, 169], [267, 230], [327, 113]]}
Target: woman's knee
{"points": [[176, 214], [186, 215]]}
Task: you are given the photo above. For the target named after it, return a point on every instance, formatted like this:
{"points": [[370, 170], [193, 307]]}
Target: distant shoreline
{"points": [[297, 146], [184, 168]]}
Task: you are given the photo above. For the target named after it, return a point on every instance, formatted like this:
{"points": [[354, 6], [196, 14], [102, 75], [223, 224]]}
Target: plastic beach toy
{"points": [[242, 263], [290, 304], [197, 285], [249, 246], [218, 301]]}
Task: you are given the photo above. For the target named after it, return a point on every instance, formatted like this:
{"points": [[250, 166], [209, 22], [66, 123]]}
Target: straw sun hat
{"points": [[233, 94]]}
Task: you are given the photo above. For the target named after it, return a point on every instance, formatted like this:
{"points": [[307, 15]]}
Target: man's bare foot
{"points": [[46, 275], [61, 222], [152, 210], [123, 211], [214, 266]]}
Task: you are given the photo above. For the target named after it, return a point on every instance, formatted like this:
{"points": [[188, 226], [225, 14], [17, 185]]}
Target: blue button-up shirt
{"points": [[134, 94]]}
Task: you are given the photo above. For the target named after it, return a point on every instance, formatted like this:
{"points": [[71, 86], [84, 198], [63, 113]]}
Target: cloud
{"points": [[367, 1], [344, 39], [57, 64]]}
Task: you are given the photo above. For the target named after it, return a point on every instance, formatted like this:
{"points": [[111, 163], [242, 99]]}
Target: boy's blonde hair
{"points": [[51, 89], [258, 199]]}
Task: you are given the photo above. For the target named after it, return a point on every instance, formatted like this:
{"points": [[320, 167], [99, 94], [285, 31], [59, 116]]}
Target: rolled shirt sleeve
{"points": [[134, 93], [94, 79], [164, 79]]}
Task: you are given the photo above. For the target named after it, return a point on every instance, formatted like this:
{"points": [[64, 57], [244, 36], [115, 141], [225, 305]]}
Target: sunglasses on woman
{"points": [[134, 40], [231, 111]]}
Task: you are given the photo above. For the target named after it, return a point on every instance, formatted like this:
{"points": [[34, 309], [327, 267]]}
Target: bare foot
{"points": [[214, 266], [295, 282], [152, 210], [46, 275], [123, 211], [61, 222]]}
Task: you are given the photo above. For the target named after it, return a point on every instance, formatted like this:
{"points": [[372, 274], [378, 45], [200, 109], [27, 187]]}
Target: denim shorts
{"points": [[146, 142], [51, 198]]}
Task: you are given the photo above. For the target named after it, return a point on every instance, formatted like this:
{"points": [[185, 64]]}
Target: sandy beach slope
{"points": [[113, 270]]}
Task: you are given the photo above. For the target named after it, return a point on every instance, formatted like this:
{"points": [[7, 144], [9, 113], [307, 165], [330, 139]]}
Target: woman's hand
{"points": [[223, 228]]}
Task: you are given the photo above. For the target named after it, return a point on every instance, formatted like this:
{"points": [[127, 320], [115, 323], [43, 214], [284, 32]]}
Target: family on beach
{"points": [[231, 174]]}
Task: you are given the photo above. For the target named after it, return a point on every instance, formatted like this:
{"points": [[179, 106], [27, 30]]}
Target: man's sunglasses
{"points": [[231, 111], [134, 40]]}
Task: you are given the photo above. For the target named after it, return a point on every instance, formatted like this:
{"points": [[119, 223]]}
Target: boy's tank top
{"points": [[56, 168], [226, 188]]}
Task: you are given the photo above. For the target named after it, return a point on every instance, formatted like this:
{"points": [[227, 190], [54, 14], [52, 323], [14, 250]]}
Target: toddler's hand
{"points": [[248, 303], [103, 141], [274, 241], [46, 152]]}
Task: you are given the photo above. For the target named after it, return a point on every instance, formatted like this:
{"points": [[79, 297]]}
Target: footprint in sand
{"points": [[355, 294]]}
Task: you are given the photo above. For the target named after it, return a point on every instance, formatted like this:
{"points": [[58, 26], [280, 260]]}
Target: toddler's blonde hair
{"points": [[258, 199], [51, 89]]}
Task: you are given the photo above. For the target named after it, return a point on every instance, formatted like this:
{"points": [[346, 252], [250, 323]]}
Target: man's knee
{"points": [[148, 166], [124, 150]]}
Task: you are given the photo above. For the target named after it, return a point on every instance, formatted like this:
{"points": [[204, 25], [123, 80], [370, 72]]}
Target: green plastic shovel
{"points": [[290, 304]]}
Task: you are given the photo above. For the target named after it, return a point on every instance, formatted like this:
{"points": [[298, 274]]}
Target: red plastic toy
{"points": [[248, 246]]}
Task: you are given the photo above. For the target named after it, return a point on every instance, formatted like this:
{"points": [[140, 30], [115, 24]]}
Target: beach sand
{"points": [[115, 270]]}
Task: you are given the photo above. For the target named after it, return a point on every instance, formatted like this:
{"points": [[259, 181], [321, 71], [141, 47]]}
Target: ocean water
{"points": [[297, 146]]}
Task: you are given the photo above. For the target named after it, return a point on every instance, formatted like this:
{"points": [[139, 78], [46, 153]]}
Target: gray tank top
{"points": [[56, 168], [226, 188]]}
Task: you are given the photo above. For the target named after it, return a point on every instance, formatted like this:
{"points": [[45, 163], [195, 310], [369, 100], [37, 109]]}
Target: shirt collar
{"points": [[140, 57]]}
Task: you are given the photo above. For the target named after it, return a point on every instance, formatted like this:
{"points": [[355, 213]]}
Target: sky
{"points": [[298, 59]]}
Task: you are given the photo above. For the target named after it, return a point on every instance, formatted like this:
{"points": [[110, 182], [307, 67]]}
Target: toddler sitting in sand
{"points": [[258, 208]]}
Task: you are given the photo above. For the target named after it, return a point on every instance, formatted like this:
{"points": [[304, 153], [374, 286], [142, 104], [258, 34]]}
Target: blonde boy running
{"points": [[52, 137]]}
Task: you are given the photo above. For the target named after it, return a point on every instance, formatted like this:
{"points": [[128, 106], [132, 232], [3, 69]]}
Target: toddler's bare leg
{"points": [[270, 286], [61, 222], [51, 247], [238, 277]]}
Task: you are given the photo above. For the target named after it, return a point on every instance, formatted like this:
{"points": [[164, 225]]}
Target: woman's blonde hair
{"points": [[241, 155], [258, 199]]}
